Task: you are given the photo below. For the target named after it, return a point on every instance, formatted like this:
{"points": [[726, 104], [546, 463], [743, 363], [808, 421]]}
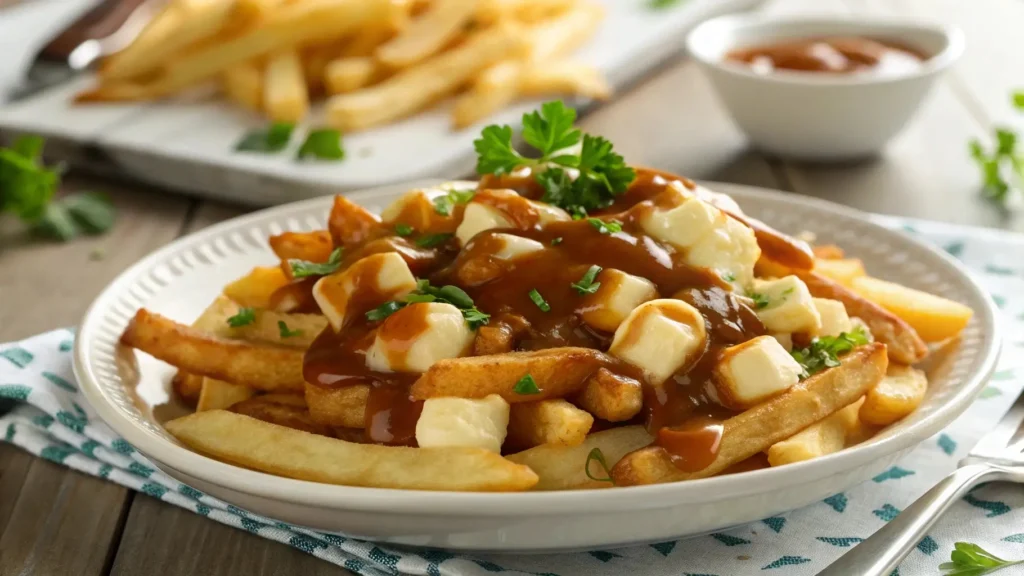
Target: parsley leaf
{"points": [[551, 129], [285, 332], [384, 310], [424, 292], [404, 229], [537, 299], [526, 385], [609, 227], [596, 455], [475, 318], [556, 241], [323, 144], [273, 138], [586, 285], [494, 151], [760, 300], [1002, 169], [972, 560], [26, 185], [305, 268], [824, 352], [431, 240], [244, 317], [444, 205]]}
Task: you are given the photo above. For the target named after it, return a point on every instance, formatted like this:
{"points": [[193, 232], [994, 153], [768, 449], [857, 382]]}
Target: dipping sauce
{"points": [[831, 55]]}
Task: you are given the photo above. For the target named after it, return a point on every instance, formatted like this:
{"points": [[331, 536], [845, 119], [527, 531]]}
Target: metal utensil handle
{"points": [[880, 554], [101, 21]]}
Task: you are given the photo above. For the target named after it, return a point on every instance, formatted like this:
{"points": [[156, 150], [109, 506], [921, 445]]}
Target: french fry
{"points": [[292, 453], [770, 422], [365, 41], [546, 422], [413, 88], [217, 394], [564, 77], [896, 396], [344, 406], [283, 410], [558, 372], [313, 246], [243, 84], [187, 386], [264, 367], [828, 252], [611, 397], [351, 224], [842, 270], [255, 288], [213, 320], [343, 75], [933, 317], [491, 11], [250, 12], [823, 437], [564, 33], [495, 88], [563, 467], [285, 95], [299, 330], [427, 34]]}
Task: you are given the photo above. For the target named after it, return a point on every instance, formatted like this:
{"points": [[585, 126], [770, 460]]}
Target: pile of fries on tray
{"points": [[566, 322], [375, 61]]}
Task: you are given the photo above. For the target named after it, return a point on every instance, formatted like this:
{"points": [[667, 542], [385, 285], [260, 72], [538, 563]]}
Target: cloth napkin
{"points": [[51, 419]]}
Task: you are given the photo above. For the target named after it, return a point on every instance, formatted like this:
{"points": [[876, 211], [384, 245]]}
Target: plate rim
{"points": [[475, 504]]}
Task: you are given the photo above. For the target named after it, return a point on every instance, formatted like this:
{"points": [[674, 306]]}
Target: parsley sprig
{"points": [[598, 173], [1002, 169], [586, 285], [824, 352], [424, 292], [305, 268], [972, 560]]}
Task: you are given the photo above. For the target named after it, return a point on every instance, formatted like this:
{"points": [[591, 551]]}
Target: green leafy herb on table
{"points": [[578, 172], [273, 138], [1002, 169], [322, 144], [824, 352], [972, 560]]}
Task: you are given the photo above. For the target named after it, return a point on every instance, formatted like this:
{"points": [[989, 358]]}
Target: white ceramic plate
{"points": [[131, 393]]}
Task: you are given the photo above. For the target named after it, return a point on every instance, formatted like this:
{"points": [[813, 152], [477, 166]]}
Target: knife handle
{"points": [[101, 21]]}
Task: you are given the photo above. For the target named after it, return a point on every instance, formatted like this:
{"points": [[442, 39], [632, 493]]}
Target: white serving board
{"points": [[186, 144]]}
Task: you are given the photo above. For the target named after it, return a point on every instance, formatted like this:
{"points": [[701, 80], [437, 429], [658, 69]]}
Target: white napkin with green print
{"points": [[48, 417]]}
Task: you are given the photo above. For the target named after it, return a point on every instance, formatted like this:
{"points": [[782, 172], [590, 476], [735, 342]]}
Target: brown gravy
{"points": [[831, 55]]}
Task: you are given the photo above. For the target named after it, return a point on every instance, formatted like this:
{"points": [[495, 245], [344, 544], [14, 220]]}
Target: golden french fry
{"points": [[243, 84], [343, 75], [842, 270], [564, 77], [558, 372], [896, 396], [283, 451], [611, 397], [187, 386], [349, 223], [272, 327], [213, 320], [546, 422], [253, 11], [494, 89], [260, 366], [491, 11], [255, 288], [756, 429], [828, 252], [563, 467], [823, 437], [427, 33], [285, 95], [315, 246], [281, 409], [415, 87], [933, 317], [563, 33], [344, 406], [217, 394], [365, 41]]}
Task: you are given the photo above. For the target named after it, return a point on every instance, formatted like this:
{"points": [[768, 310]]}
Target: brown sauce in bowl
{"points": [[831, 55]]}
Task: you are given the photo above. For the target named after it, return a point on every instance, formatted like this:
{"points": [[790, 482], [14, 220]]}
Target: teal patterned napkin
{"points": [[51, 419]]}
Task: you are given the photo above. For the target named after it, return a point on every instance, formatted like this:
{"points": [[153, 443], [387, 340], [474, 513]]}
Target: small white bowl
{"points": [[818, 116]]}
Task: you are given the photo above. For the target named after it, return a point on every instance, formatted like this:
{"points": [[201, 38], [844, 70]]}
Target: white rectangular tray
{"points": [[188, 145]]}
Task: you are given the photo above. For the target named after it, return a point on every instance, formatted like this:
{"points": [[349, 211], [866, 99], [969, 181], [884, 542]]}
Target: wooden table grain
{"points": [[54, 521]]}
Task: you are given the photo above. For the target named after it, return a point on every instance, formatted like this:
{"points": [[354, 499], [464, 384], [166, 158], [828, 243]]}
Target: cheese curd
{"points": [[617, 296], [479, 217], [371, 281], [752, 372], [463, 422], [413, 338], [660, 337], [834, 319], [786, 305]]}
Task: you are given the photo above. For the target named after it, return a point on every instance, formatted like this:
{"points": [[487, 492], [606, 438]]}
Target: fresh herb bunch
{"points": [[972, 560], [578, 172], [824, 352], [424, 292], [1002, 169]]}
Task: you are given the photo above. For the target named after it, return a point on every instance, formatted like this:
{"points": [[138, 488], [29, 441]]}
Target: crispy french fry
{"points": [[564, 77], [563, 467], [491, 11], [896, 396], [546, 422], [285, 95], [823, 437], [415, 87], [351, 224], [933, 317], [243, 84], [558, 372], [264, 367], [495, 88], [249, 12], [365, 41], [344, 406], [343, 75], [564, 33], [187, 386], [298, 330], [842, 270], [611, 397], [217, 394], [283, 410], [758, 428], [296, 454], [427, 34], [255, 288], [313, 246], [828, 252], [213, 320]]}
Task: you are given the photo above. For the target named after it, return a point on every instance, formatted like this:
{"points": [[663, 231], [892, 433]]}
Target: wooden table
{"points": [[54, 521]]}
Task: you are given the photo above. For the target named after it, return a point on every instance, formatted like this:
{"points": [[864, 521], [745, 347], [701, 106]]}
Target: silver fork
{"points": [[996, 457]]}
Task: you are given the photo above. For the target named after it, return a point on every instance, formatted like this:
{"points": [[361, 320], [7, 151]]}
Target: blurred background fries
{"points": [[372, 61]]}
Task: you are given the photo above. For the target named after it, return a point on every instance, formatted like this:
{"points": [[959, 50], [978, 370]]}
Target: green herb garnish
{"points": [[586, 285], [537, 299], [444, 205], [273, 138], [556, 241], [1002, 170], [662, 4], [972, 560], [404, 229], [598, 174], [760, 300], [596, 455], [244, 317], [609, 227], [426, 293], [729, 277], [526, 385], [824, 351], [305, 268], [384, 310], [285, 332], [432, 240], [322, 144]]}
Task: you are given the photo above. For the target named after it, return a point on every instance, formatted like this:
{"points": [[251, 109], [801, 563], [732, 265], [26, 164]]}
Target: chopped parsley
{"points": [[596, 455], [556, 241], [384, 310], [322, 144], [526, 385], [244, 317], [432, 240], [760, 300], [824, 351], [285, 332], [444, 205], [609, 227], [537, 299], [273, 138], [305, 268], [586, 285], [729, 277], [404, 229], [426, 293]]}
